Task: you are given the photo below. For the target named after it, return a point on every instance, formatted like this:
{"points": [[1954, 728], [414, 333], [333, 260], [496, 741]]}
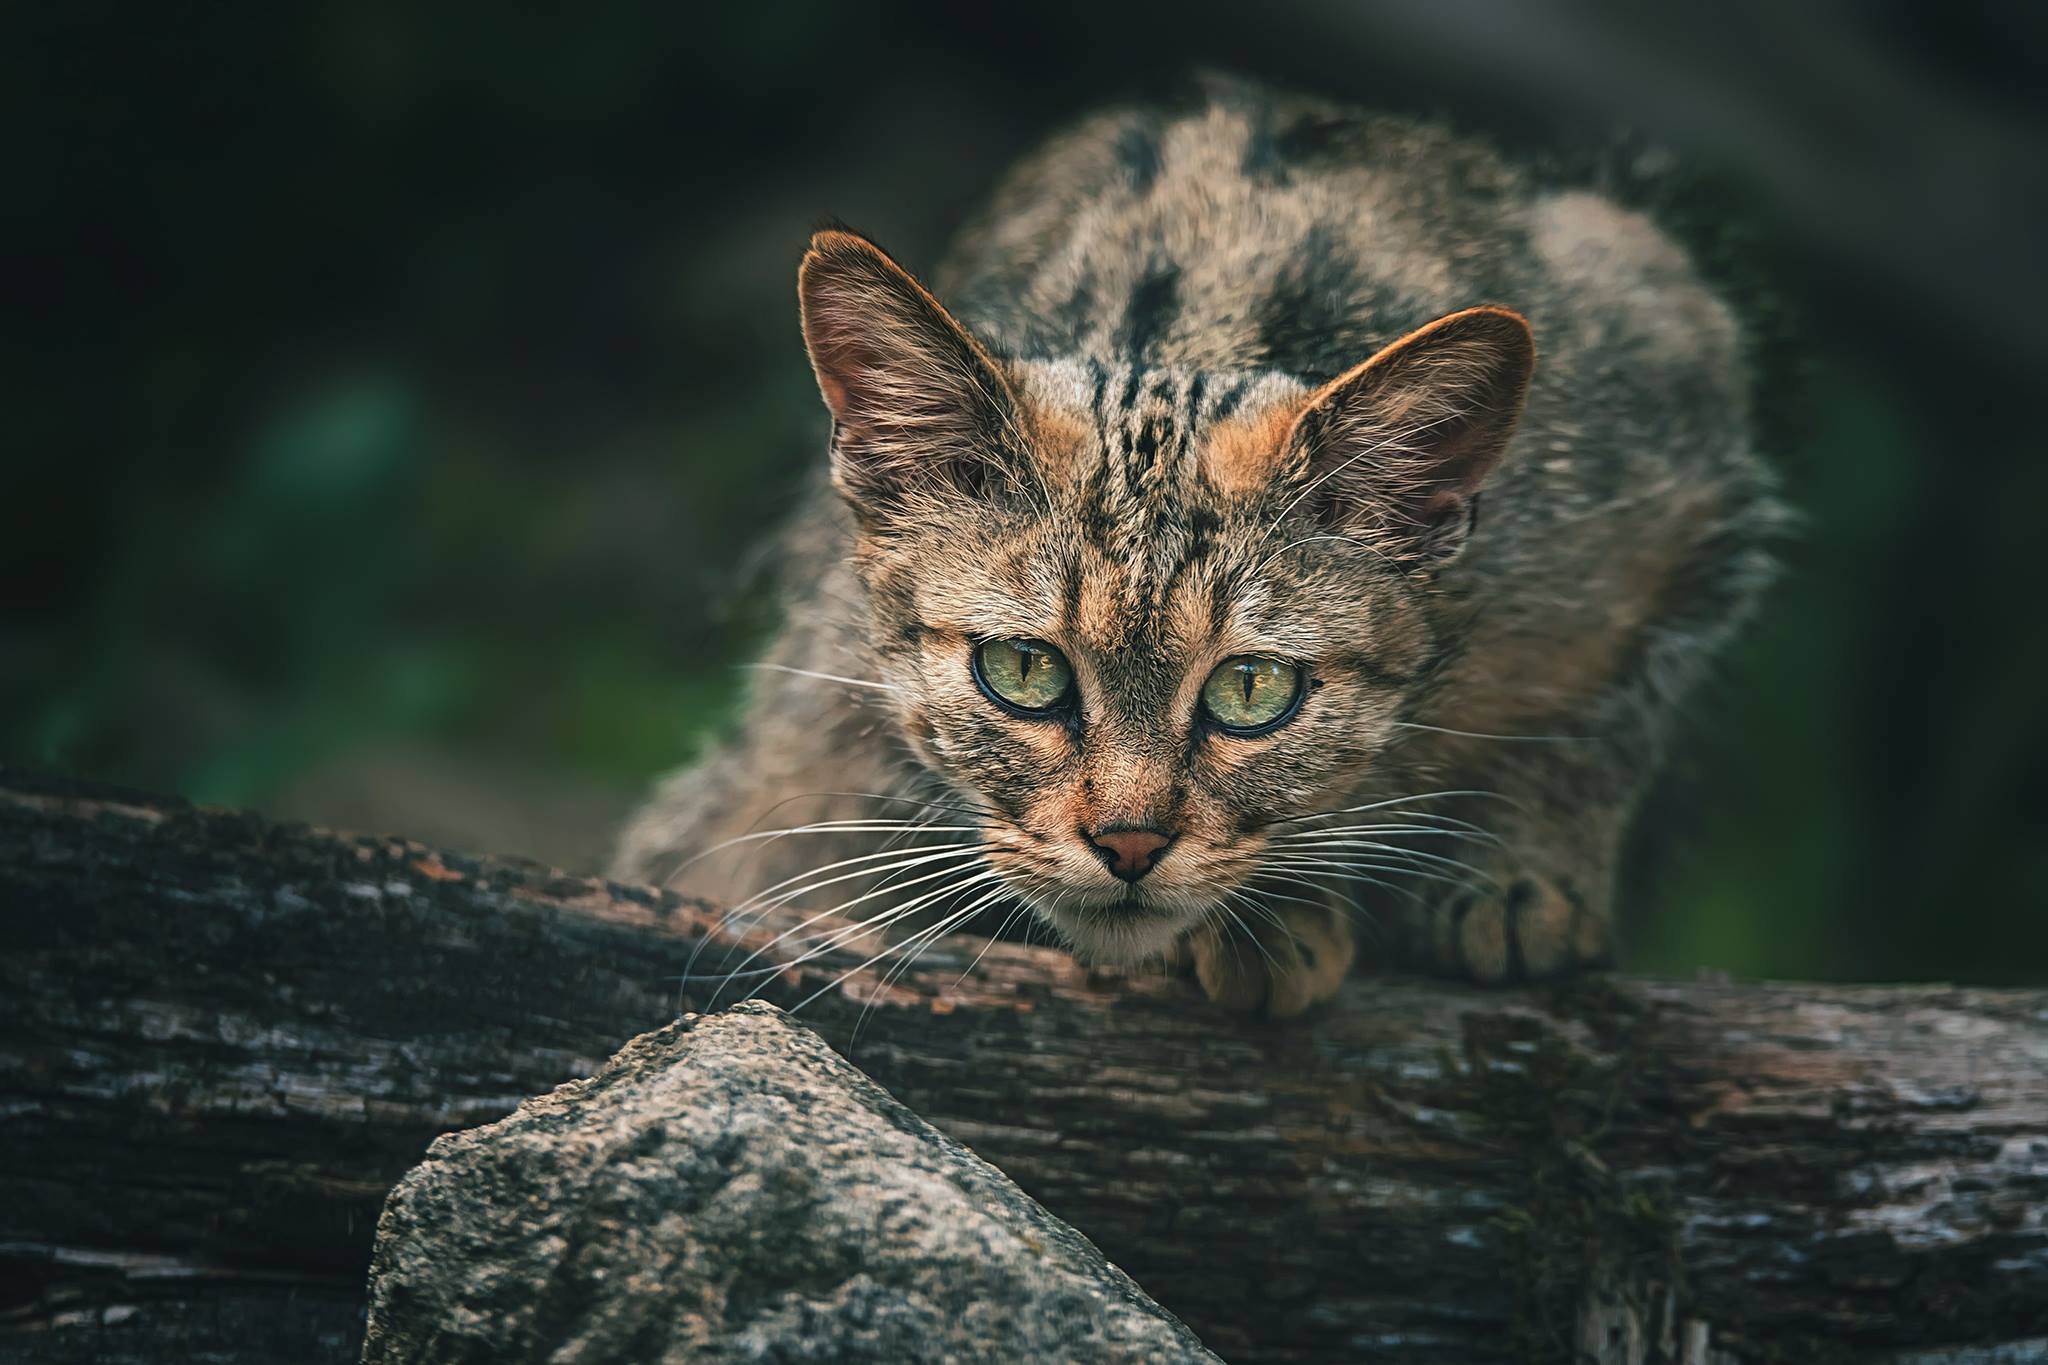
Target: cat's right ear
{"points": [[919, 407]]}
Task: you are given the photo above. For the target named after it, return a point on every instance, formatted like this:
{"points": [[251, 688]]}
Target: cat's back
{"points": [[1249, 229], [1246, 230]]}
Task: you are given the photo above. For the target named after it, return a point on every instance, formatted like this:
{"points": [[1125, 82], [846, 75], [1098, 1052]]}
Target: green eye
{"points": [[1023, 675], [1250, 695]]}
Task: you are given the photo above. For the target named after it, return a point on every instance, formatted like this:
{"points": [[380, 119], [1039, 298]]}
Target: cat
{"points": [[1278, 524]]}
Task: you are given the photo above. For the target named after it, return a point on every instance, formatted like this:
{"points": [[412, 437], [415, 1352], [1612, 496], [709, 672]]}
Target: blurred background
{"points": [[394, 394]]}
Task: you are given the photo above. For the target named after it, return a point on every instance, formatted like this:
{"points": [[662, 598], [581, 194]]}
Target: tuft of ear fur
{"points": [[1399, 447], [919, 407]]}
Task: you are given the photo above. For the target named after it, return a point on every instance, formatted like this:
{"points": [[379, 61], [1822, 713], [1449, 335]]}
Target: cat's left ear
{"points": [[918, 405], [1400, 446]]}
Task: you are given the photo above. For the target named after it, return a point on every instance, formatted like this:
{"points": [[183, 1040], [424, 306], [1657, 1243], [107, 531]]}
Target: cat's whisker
{"points": [[842, 932], [1246, 931], [1414, 831], [1261, 566], [817, 827], [1357, 863], [850, 972], [1357, 913], [1399, 804], [835, 938], [1341, 838], [889, 863], [1479, 734], [1349, 865], [838, 937], [1376, 847], [1300, 877], [892, 798], [1252, 887], [822, 677], [1259, 908], [912, 855], [838, 911], [1378, 452], [924, 939], [1027, 905], [683, 862]]}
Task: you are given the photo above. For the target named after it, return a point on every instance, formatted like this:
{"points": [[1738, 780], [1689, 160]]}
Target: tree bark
{"points": [[223, 1040]]}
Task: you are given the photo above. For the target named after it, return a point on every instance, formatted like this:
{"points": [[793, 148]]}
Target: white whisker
{"points": [[824, 677], [837, 911], [1478, 734]]}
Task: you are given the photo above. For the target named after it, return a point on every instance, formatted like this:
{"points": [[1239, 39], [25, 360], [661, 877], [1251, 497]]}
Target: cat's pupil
{"points": [[1025, 658], [1250, 679]]}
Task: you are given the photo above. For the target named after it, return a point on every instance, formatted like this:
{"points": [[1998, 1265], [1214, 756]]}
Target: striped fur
{"points": [[1143, 427]]}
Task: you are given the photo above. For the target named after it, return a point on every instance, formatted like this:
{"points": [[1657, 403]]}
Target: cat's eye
{"points": [[1251, 695], [1023, 675]]}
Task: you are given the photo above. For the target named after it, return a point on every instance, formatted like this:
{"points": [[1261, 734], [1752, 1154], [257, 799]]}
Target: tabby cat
{"points": [[1279, 525]]}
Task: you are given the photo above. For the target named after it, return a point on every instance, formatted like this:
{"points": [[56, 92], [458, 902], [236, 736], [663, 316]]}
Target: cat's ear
{"points": [[1399, 446], [918, 405]]}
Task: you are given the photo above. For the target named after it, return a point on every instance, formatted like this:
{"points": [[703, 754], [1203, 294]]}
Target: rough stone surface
{"points": [[727, 1188]]}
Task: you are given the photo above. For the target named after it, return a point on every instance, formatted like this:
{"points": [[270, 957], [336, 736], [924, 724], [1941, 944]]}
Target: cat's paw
{"points": [[1280, 969], [1522, 928]]}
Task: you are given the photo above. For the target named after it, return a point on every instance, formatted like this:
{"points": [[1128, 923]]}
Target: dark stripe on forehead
{"points": [[1144, 450], [1227, 401], [1129, 398], [1152, 308]]}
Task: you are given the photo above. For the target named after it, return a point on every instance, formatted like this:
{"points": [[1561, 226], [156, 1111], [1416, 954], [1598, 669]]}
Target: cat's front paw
{"points": [[1281, 966], [1522, 928]]}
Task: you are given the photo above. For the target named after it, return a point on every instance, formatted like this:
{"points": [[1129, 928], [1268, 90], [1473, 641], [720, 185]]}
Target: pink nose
{"points": [[1129, 853]]}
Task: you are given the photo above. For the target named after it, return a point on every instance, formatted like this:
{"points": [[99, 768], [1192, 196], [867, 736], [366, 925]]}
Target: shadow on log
{"points": [[223, 1040]]}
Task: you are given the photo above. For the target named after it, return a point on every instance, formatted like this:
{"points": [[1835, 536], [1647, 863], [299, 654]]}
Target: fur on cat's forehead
{"points": [[1142, 429], [1154, 535], [1153, 465]]}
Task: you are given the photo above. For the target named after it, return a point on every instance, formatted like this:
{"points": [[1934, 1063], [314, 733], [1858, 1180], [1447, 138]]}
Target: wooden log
{"points": [[222, 1040]]}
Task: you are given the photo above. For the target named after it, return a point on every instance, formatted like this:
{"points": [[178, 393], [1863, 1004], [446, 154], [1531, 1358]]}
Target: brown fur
{"points": [[1245, 380]]}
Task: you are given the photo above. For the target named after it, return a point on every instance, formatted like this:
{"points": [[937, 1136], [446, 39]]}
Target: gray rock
{"points": [[728, 1188]]}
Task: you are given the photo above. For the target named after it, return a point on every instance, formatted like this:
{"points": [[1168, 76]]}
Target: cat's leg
{"points": [[1543, 909], [1279, 959], [1533, 896]]}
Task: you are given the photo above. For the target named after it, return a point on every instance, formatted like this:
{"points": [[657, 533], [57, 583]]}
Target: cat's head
{"points": [[1145, 617]]}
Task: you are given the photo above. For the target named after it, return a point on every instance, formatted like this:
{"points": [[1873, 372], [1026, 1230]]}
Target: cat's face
{"points": [[1144, 619]]}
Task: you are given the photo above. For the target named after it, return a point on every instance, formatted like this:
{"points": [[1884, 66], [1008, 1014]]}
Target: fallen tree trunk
{"points": [[223, 1040]]}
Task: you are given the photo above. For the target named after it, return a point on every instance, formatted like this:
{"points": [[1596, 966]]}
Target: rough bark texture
{"points": [[222, 1041], [729, 1189]]}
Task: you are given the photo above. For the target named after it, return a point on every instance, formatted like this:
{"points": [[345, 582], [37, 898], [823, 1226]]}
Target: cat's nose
{"points": [[1129, 852]]}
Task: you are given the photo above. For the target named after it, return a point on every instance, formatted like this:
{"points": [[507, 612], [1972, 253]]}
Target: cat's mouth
{"points": [[1107, 919], [1120, 928]]}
